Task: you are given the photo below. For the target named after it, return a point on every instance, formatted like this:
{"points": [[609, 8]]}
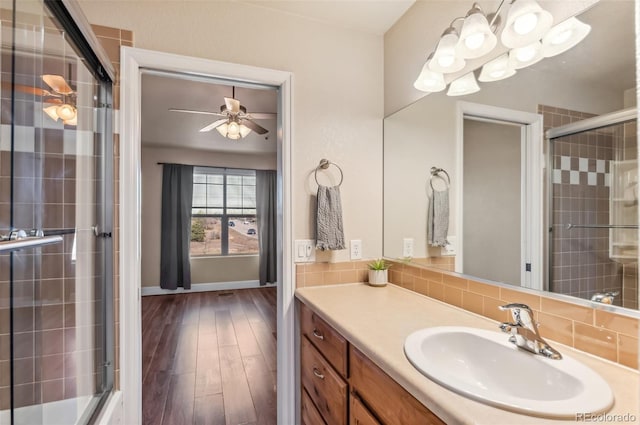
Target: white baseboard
{"points": [[201, 287]]}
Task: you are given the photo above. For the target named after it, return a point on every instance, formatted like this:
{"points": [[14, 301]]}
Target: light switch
{"points": [[305, 251]]}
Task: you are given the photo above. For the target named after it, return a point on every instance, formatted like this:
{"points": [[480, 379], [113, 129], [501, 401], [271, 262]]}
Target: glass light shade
{"points": [[233, 129], [222, 129], [564, 36], [522, 57], [526, 22], [66, 112], [233, 136], [73, 121], [429, 81], [497, 69], [51, 111], [464, 85], [476, 38], [445, 59], [244, 130]]}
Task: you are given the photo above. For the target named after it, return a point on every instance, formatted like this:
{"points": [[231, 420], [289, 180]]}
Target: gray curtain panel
{"points": [[177, 194], [266, 204]]}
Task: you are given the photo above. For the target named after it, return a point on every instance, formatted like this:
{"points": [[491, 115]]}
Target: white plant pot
{"points": [[378, 277]]}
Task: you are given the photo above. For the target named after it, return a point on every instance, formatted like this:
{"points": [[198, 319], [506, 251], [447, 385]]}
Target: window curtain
{"points": [[266, 210], [177, 194]]}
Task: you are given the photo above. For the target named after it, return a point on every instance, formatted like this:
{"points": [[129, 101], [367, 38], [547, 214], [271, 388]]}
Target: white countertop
{"points": [[377, 321]]}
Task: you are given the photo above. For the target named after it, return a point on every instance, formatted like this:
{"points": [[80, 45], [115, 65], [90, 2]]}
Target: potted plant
{"points": [[378, 272]]}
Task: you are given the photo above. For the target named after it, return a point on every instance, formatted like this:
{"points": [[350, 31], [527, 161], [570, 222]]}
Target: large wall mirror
{"points": [[540, 170]]}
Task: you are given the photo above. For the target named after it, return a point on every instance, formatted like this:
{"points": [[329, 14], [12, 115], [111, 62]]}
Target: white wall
{"points": [[337, 86], [203, 270]]}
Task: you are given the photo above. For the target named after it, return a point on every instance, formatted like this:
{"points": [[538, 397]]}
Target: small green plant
{"points": [[379, 264]]}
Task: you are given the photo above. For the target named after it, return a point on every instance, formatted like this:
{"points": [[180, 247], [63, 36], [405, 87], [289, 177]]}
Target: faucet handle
{"points": [[521, 313]]}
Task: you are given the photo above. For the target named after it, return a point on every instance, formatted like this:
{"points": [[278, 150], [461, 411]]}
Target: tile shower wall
{"points": [[48, 344], [581, 181]]}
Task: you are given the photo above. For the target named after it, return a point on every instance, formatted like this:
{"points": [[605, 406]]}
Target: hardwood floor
{"points": [[209, 358]]}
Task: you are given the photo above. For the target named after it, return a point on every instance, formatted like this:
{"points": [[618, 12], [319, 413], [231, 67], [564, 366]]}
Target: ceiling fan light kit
{"points": [[527, 33], [236, 123], [64, 107]]}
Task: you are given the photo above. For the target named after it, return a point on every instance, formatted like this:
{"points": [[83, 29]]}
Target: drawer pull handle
{"points": [[317, 373], [318, 335]]}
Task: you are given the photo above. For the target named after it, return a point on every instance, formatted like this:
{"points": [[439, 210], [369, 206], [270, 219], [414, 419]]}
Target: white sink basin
{"points": [[484, 366]]}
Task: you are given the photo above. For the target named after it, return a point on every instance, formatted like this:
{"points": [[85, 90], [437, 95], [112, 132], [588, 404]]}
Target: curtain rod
{"points": [[217, 166]]}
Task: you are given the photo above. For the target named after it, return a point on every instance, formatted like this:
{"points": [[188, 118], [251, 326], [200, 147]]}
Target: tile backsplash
{"points": [[605, 334]]}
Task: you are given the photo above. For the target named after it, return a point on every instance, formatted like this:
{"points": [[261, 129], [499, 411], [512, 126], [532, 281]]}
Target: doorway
{"points": [[134, 62], [485, 165]]}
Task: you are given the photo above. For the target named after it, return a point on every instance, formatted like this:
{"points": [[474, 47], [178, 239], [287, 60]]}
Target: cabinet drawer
{"points": [[327, 389], [310, 415], [359, 414], [329, 342], [391, 403]]}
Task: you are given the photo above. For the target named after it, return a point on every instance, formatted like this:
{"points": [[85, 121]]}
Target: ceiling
{"points": [[615, 67], [371, 16]]}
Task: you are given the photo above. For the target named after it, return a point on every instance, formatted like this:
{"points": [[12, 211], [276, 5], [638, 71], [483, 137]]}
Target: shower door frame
{"points": [[588, 124]]}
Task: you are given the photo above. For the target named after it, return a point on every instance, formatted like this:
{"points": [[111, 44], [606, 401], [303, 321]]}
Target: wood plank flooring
{"points": [[209, 358]]}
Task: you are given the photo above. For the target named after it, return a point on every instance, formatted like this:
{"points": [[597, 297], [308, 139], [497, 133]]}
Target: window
{"points": [[223, 215]]}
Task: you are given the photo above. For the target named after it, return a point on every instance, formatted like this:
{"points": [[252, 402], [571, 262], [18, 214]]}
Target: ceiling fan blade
{"points": [[255, 127], [57, 83], [213, 125], [233, 105], [193, 111], [261, 115], [37, 91]]}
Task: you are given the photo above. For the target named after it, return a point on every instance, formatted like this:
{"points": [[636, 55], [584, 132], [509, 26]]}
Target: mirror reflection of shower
{"points": [[593, 206]]}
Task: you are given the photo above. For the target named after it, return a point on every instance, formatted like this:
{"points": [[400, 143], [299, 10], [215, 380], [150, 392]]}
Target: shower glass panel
{"points": [[56, 301], [593, 242]]}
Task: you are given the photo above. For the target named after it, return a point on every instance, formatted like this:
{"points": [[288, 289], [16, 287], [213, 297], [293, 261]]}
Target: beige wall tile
{"points": [[598, 341], [421, 286], [491, 310], [407, 281], [616, 322], [511, 296], [453, 296], [314, 279], [341, 266], [436, 290], [555, 328], [432, 275], [348, 276], [569, 311], [472, 302], [628, 351], [102, 31], [331, 278], [484, 289], [455, 281]]}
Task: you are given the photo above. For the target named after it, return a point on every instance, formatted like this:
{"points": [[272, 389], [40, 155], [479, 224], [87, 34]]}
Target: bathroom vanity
{"points": [[354, 369]]}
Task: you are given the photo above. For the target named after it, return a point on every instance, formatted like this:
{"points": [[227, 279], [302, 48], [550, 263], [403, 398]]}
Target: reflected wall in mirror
{"points": [[595, 78]]}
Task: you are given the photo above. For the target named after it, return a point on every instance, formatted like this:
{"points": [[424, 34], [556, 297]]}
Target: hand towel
{"points": [[438, 218], [329, 233]]}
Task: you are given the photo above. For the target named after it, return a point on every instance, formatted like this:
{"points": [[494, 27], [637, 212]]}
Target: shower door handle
{"points": [[19, 239]]}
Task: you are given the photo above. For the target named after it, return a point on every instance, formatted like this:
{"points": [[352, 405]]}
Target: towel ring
{"points": [[324, 164], [435, 172]]}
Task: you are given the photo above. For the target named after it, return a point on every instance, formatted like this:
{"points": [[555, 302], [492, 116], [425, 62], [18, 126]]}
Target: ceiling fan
{"points": [[63, 99], [236, 123]]}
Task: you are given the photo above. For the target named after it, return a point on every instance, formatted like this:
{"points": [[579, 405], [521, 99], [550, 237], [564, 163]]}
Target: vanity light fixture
{"points": [[526, 22], [476, 37], [466, 84], [527, 33], [521, 57], [445, 59], [497, 69], [428, 80], [564, 36]]}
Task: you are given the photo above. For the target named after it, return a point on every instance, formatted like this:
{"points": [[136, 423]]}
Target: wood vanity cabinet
{"points": [[341, 386]]}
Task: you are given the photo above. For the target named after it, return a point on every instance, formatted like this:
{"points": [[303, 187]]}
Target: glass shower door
{"points": [[56, 354]]}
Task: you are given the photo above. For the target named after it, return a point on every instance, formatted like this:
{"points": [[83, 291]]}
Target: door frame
{"points": [[532, 183], [133, 62]]}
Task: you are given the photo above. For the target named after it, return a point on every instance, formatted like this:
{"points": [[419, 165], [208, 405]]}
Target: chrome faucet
{"points": [[605, 297], [524, 331]]}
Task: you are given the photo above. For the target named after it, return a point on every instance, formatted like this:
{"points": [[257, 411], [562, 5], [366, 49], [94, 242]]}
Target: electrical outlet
{"points": [[407, 247], [356, 249]]}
